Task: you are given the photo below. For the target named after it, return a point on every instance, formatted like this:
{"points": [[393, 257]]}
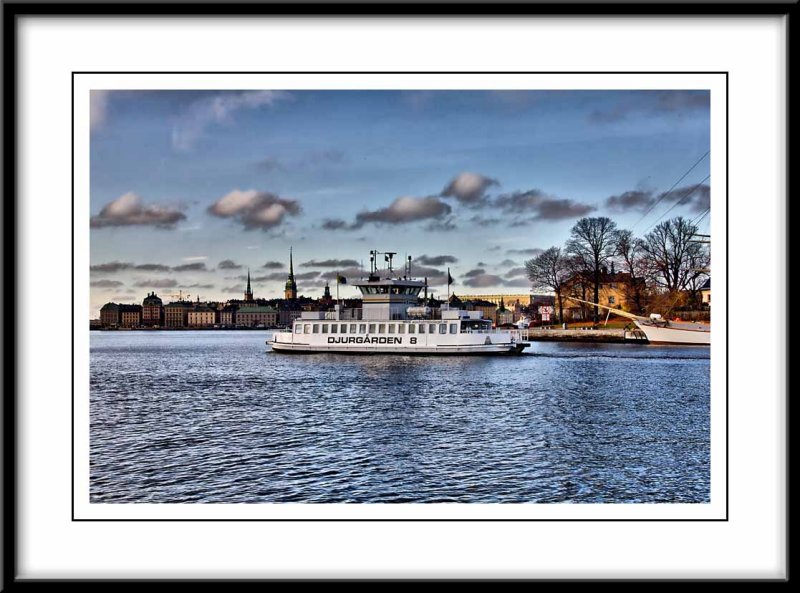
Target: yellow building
{"points": [[176, 314], [201, 317], [616, 290], [509, 300], [705, 293], [130, 315]]}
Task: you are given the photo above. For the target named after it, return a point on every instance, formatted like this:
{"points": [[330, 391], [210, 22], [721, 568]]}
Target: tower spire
{"points": [[248, 294], [291, 286]]}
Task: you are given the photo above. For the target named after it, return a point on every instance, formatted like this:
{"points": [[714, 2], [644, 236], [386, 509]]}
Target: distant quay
{"points": [[189, 328], [613, 335]]}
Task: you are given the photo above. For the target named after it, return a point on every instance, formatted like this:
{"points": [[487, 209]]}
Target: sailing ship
{"points": [[659, 330]]}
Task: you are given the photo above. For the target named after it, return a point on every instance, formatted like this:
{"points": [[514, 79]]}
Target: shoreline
{"points": [[615, 336]]}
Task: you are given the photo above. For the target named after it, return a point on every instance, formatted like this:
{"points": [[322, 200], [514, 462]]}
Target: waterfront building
{"points": [[152, 310], [503, 316], [201, 316], [508, 299], [327, 300], [109, 315], [287, 316], [705, 293], [130, 315], [177, 314], [616, 290], [290, 293], [455, 302], [487, 308], [227, 316], [257, 315]]}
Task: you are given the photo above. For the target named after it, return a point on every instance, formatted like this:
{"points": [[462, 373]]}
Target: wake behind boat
{"points": [[391, 321], [664, 331]]}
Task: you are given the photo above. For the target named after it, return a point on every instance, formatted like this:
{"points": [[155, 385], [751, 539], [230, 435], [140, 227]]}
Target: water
{"points": [[181, 417]]}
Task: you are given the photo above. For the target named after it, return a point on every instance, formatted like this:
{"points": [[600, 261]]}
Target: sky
{"points": [[190, 189]]}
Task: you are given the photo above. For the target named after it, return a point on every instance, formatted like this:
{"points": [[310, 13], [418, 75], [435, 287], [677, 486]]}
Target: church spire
{"points": [[291, 286], [248, 294]]}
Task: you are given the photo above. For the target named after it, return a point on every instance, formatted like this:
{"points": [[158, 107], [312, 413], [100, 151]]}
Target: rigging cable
{"points": [[680, 200], [666, 193]]}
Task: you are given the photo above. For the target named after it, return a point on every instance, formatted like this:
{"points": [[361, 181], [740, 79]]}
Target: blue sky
{"points": [[190, 188]]}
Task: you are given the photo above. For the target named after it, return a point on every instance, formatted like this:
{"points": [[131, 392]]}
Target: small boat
{"points": [[664, 331]]}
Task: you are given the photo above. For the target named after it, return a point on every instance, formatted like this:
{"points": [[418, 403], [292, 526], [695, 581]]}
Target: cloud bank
{"points": [[255, 209], [129, 210]]}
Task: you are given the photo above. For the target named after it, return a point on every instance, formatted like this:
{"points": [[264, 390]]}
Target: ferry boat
{"points": [[391, 321]]}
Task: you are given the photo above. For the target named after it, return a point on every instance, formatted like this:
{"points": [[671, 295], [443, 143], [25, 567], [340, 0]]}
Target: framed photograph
{"points": [[368, 297]]}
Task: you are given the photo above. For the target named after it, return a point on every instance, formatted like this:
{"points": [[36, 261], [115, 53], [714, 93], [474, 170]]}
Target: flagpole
{"points": [[448, 285]]}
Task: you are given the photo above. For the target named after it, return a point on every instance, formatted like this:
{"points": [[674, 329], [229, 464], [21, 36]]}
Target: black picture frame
{"points": [[13, 11]]}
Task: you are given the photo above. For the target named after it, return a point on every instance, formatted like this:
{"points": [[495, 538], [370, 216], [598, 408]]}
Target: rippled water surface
{"points": [[215, 417]]}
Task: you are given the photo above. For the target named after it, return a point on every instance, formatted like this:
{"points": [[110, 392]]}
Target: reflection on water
{"points": [[214, 417]]}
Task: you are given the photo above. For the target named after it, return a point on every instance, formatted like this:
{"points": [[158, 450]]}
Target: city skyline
{"points": [[192, 188]]}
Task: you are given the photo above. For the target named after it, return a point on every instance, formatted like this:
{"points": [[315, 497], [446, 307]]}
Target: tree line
{"points": [[667, 266]]}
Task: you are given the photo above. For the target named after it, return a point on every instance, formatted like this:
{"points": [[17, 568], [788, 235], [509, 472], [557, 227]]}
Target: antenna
{"points": [[389, 255]]}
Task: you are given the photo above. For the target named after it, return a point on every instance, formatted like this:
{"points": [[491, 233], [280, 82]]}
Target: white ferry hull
{"points": [[444, 350], [676, 333], [284, 343]]}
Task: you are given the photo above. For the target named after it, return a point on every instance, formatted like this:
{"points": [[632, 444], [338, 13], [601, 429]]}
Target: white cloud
{"points": [[128, 210], [218, 109], [405, 209], [469, 188], [255, 209]]}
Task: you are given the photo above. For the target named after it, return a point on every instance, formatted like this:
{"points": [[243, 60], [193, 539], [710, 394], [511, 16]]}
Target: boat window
{"points": [[362, 328], [307, 328], [381, 328], [324, 328], [298, 328], [371, 328], [391, 328], [401, 328], [453, 328], [334, 328], [412, 328], [316, 328], [442, 328], [343, 328], [431, 328], [383, 290], [353, 327]]}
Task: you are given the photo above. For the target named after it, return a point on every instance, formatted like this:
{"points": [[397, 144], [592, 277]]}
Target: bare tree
{"points": [[632, 255], [679, 262], [549, 271], [593, 242]]}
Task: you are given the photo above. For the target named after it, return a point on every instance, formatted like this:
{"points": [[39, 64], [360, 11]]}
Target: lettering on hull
{"points": [[367, 340]]}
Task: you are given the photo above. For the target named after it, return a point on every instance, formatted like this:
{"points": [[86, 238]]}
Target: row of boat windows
{"points": [[390, 290], [372, 328]]}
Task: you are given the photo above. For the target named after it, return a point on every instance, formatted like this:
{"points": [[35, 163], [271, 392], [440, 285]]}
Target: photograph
{"points": [[329, 294], [400, 296]]}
